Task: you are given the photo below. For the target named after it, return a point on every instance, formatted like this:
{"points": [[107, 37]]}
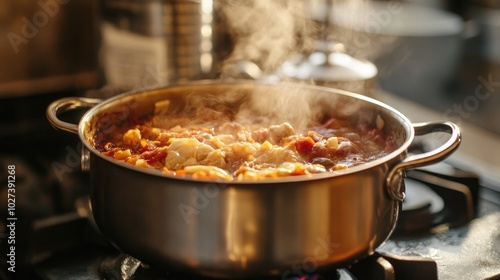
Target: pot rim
{"points": [[410, 133]]}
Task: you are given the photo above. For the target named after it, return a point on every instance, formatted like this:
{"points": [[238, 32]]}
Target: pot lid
{"points": [[328, 62]]}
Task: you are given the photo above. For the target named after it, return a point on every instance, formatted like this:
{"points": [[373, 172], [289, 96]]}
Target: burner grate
{"points": [[438, 201]]}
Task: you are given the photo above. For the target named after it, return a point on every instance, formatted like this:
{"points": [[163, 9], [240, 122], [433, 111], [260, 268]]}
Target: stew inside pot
{"points": [[224, 145]]}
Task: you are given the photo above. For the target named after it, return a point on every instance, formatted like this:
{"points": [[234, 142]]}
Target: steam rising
{"points": [[267, 32], [254, 107], [291, 104]]}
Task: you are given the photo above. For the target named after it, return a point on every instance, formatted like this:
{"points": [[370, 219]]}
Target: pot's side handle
{"points": [[394, 185], [67, 104]]}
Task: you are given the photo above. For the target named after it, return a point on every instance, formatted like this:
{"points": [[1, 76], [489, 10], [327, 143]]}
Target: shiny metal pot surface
{"points": [[248, 229]]}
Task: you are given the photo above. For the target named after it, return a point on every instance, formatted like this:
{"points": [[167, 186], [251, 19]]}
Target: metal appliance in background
{"points": [[159, 42], [408, 43], [48, 46], [155, 42]]}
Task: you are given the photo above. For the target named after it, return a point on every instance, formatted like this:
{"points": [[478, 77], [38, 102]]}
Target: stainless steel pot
{"points": [[248, 229]]}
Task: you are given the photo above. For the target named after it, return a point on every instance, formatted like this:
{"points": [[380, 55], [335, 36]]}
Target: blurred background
{"points": [[433, 52]]}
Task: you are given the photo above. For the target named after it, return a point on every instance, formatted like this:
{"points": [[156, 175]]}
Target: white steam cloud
{"points": [[266, 32]]}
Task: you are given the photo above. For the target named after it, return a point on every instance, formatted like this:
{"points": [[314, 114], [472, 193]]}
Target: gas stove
{"points": [[445, 223], [449, 227]]}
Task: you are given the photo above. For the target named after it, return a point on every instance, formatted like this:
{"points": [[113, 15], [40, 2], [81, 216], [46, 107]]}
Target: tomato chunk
{"points": [[154, 155], [304, 145]]}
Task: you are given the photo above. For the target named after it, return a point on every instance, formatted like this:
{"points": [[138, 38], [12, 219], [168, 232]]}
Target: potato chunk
{"points": [[132, 137]]}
